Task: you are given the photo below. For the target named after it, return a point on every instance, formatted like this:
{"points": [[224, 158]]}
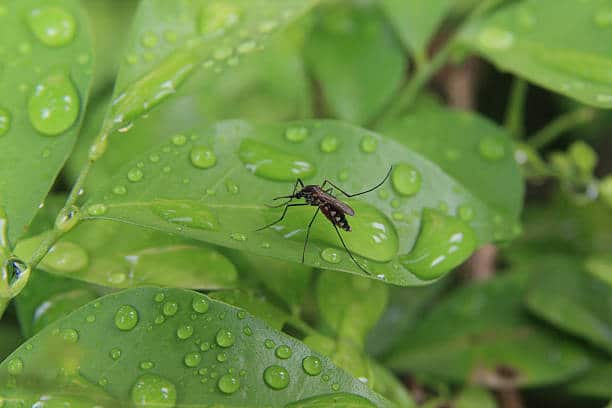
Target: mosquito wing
{"points": [[339, 204]]}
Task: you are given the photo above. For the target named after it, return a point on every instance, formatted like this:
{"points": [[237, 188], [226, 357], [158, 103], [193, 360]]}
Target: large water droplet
{"points": [[52, 26], [312, 365], [228, 384], [217, 17], [66, 257], [200, 305], [225, 338], [202, 157], [406, 179], [192, 359], [184, 332], [69, 335], [283, 352], [496, 38], [331, 255], [491, 148], [15, 366], [443, 243], [54, 105], [68, 218], [170, 308], [273, 164], [126, 318], [5, 121], [152, 390], [186, 213], [276, 377]]}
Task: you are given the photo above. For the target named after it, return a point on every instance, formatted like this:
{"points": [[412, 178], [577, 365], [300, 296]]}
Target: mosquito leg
{"points": [[363, 192], [282, 216], [298, 181], [349, 252], [308, 233]]}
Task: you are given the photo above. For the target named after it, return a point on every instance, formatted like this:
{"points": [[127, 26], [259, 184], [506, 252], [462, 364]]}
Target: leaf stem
{"points": [[515, 112], [561, 125]]}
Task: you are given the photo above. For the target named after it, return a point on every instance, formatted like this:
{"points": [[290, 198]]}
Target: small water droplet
{"points": [[603, 18], [192, 359], [149, 40], [153, 390], [491, 148], [146, 365], [296, 134], [54, 105], [276, 377], [135, 175], [66, 257], [179, 140], [283, 352], [312, 365], [343, 175], [184, 332], [228, 384], [247, 331], [97, 209], [202, 157], [120, 190], [246, 47], [368, 144], [126, 318], [52, 26], [329, 144], [331, 255], [205, 346], [15, 366], [238, 236], [397, 216], [222, 357], [5, 121], [69, 335], [269, 343], [225, 338], [159, 297], [335, 387], [231, 186], [115, 354], [170, 308], [496, 38], [186, 213], [67, 218], [466, 212], [200, 305], [217, 17], [273, 164], [406, 180]]}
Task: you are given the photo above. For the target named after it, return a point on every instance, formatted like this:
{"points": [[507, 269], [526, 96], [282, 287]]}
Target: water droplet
{"points": [[15, 366], [120, 190], [496, 38], [296, 134], [466, 212], [135, 174], [202, 157], [603, 18], [152, 390], [270, 163], [329, 144], [54, 105], [335, 387], [126, 318], [189, 214], [115, 354], [192, 359], [241, 314], [69, 335], [276, 377], [491, 148], [217, 17], [221, 357], [52, 26], [406, 179], [205, 346], [247, 331], [267, 26], [238, 236], [269, 343], [66, 257], [331, 255], [149, 39], [231, 186], [146, 365], [228, 384], [312, 365], [443, 243], [5, 121], [383, 194], [368, 144], [222, 53], [179, 140], [397, 216], [67, 218], [97, 209], [200, 305], [159, 297], [283, 352], [184, 332], [170, 308], [225, 338], [246, 47]]}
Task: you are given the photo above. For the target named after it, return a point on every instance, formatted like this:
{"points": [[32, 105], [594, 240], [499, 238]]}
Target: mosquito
{"points": [[333, 209]]}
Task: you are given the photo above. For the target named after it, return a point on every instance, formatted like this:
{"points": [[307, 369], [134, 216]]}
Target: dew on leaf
{"points": [[5, 121], [52, 26], [270, 163], [15, 366], [192, 359], [186, 213], [406, 180], [126, 318], [329, 144], [146, 365], [228, 384], [153, 390], [218, 16], [312, 365], [54, 105], [184, 332], [368, 144], [267, 26], [222, 357], [283, 352], [246, 47], [67, 218], [200, 305], [159, 297], [135, 175], [496, 38], [97, 209], [269, 343], [331, 255], [296, 134], [202, 157], [149, 39], [66, 257], [115, 354], [238, 236], [223, 53], [205, 346], [247, 331], [491, 148], [179, 140], [231, 186], [69, 335], [343, 175], [603, 18], [170, 308], [225, 338], [276, 377], [466, 212]]}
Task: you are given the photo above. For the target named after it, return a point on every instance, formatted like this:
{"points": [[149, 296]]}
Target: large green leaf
{"points": [[525, 38], [596, 383], [356, 60], [481, 334], [44, 86], [213, 184], [563, 293], [154, 347], [121, 255], [417, 20], [10, 337], [470, 148]]}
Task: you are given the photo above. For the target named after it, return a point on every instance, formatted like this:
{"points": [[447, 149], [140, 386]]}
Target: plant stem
{"points": [[3, 305], [514, 121], [561, 125]]}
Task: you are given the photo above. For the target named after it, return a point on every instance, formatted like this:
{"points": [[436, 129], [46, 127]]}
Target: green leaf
{"points": [[564, 294], [524, 38], [350, 305], [185, 192], [199, 355], [470, 149], [121, 256], [256, 304], [356, 59], [339, 400], [595, 383], [416, 21], [44, 88], [480, 334], [10, 338], [474, 397]]}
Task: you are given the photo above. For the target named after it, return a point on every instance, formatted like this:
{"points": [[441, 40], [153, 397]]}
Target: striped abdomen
{"points": [[335, 215]]}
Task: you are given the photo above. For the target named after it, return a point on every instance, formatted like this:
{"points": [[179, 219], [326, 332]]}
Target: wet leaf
{"points": [[44, 86], [597, 382], [524, 38], [481, 334], [199, 352], [10, 337], [213, 184]]}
